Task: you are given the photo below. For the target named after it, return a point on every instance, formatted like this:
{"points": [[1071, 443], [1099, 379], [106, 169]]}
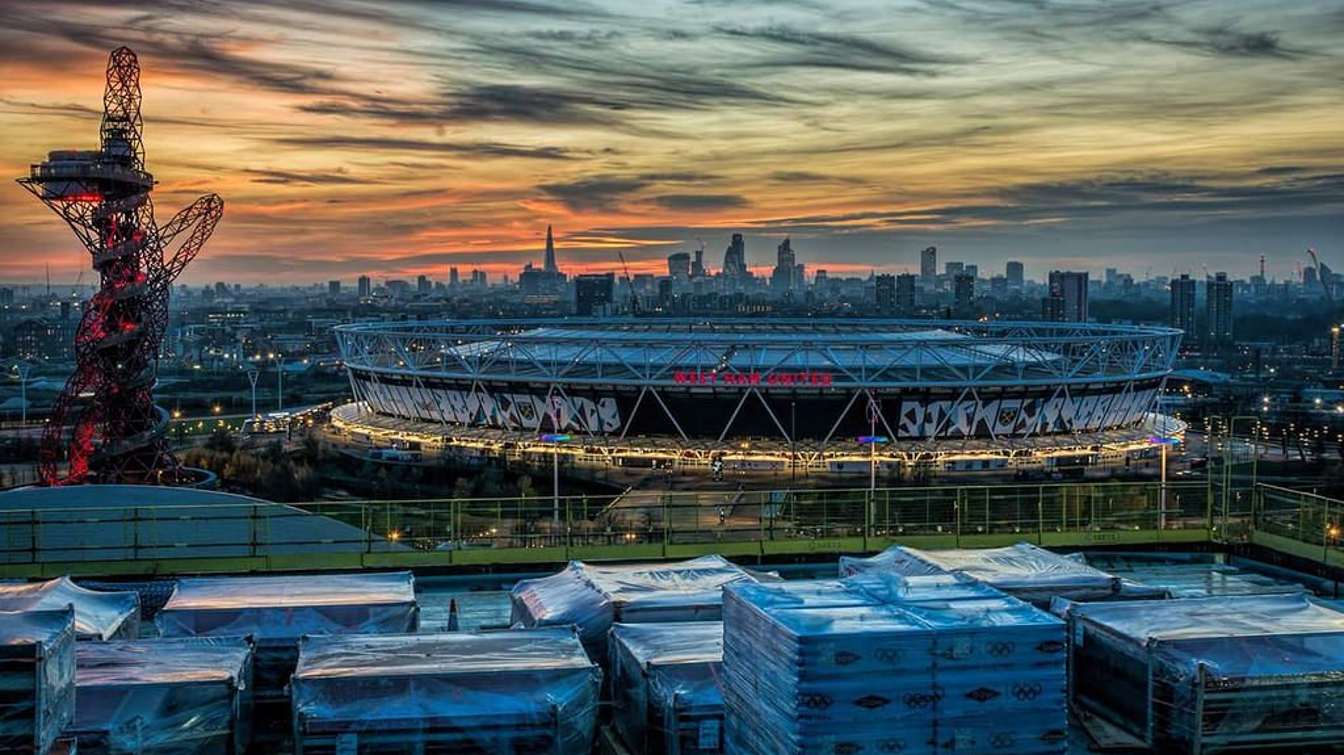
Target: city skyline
{"points": [[403, 141]]}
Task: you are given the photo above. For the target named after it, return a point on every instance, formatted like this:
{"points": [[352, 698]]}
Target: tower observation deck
{"points": [[105, 426]]}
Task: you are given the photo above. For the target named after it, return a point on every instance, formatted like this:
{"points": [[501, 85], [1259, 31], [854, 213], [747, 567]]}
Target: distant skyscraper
{"points": [[550, 266], [1218, 310], [953, 269], [884, 288], [998, 286], [698, 264], [735, 258], [928, 263], [679, 266], [785, 262], [1013, 272], [334, 288], [1183, 305], [972, 270], [479, 279], [453, 279], [1067, 300], [423, 285], [593, 293], [364, 287], [905, 294], [963, 291]]}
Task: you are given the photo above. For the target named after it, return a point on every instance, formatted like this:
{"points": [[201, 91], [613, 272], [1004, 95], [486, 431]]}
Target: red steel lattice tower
{"points": [[105, 426]]}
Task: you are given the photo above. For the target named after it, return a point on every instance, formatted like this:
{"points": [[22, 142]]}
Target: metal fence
{"points": [[638, 524], [1298, 522]]}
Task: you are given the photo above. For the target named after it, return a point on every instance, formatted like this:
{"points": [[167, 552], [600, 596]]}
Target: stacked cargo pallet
{"points": [[99, 615], [37, 678], [883, 664], [1023, 570], [164, 696], [595, 597], [276, 611], [665, 687], [530, 691], [1212, 674]]}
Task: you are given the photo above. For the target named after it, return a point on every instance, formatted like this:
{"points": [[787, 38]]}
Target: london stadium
{"points": [[820, 395]]}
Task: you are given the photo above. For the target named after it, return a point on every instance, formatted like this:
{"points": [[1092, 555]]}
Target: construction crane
{"points": [[630, 284], [1321, 273]]}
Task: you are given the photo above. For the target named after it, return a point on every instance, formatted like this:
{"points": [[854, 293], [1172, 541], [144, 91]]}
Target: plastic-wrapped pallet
{"points": [[1209, 674], [665, 687], [168, 697], [37, 678], [1024, 571], [595, 597], [98, 615], [882, 665], [276, 611], [521, 691]]}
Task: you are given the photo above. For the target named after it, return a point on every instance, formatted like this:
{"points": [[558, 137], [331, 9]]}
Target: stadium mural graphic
{"points": [[611, 413]]}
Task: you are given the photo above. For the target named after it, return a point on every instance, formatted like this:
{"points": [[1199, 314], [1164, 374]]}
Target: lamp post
{"points": [[1164, 441], [872, 441], [555, 439], [252, 375], [24, 369], [870, 510], [280, 381]]}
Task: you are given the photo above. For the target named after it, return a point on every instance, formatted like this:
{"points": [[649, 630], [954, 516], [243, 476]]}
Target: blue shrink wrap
{"points": [[921, 664]]}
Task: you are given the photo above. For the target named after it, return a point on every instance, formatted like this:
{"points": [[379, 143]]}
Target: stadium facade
{"points": [[815, 393]]}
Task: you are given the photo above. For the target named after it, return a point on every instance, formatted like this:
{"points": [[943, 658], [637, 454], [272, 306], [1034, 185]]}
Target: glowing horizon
{"points": [[401, 139]]}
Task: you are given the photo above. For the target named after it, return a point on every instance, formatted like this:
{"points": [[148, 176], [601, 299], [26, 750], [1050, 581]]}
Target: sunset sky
{"points": [[400, 138]]}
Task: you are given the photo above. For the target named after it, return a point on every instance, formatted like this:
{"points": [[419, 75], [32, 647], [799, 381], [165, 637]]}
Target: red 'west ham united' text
{"points": [[798, 379]]}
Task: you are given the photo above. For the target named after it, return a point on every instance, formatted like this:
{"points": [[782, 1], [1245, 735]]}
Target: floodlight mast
{"points": [[105, 426]]}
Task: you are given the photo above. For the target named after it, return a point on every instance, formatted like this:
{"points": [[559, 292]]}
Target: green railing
{"points": [[1297, 522], [129, 538]]}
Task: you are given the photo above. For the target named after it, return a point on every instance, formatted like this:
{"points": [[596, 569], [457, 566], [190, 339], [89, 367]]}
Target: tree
{"points": [[525, 487], [462, 488], [221, 441]]}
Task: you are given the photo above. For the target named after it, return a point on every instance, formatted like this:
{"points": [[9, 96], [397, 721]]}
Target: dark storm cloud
{"points": [[335, 178], [841, 51], [1103, 200], [678, 177], [478, 103], [700, 201], [1230, 42], [37, 37], [69, 109], [593, 194], [624, 81], [465, 149], [807, 176], [1056, 14]]}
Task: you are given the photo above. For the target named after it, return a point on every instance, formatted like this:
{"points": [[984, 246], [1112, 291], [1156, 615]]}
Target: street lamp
{"points": [[873, 441], [555, 439], [1165, 441], [252, 375], [280, 381], [24, 369]]}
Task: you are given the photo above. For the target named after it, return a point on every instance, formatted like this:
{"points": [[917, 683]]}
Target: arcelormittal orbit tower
{"points": [[105, 426]]}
